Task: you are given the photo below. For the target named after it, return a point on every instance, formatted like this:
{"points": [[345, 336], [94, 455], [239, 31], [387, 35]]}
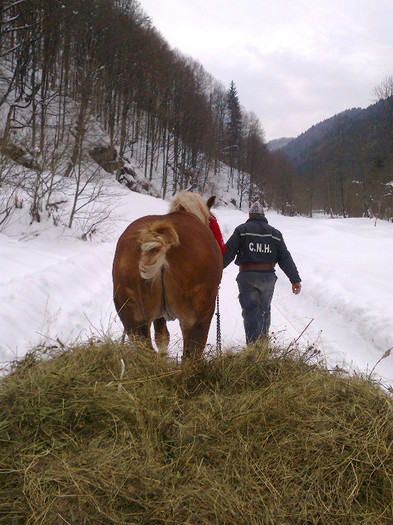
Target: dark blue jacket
{"points": [[257, 241]]}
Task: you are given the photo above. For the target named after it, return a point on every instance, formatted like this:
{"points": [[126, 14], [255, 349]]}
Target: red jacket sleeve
{"points": [[217, 234]]}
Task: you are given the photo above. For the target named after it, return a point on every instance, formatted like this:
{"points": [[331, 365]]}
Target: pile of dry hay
{"points": [[105, 434]]}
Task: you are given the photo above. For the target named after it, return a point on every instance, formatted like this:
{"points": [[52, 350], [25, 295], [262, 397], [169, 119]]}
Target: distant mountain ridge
{"points": [[297, 147], [357, 136], [346, 161], [277, 144], [301, 146]]}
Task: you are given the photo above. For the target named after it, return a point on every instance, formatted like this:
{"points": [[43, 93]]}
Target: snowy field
{"points": [[55, 287]]}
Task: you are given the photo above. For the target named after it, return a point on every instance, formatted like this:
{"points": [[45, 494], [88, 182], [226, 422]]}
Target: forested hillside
{"points": [[90, 86], [346, 161]]}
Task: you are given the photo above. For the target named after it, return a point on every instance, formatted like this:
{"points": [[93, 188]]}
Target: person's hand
{"points": [[296, 287]]}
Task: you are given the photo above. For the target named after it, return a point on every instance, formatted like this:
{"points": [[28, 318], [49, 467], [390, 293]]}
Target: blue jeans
{"points": [[255, 297]]}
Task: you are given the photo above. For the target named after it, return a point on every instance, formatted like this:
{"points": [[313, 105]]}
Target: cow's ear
{"points": [[210, 202]]}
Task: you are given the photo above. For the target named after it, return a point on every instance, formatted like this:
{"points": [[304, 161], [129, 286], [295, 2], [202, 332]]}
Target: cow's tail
{"points": [[155, 241]]}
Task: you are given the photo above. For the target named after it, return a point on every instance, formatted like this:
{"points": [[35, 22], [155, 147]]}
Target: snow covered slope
{"points": [[53, 286]]}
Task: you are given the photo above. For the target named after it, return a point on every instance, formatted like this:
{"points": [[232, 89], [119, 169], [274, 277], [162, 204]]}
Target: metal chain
{"points": [[218, 323]]}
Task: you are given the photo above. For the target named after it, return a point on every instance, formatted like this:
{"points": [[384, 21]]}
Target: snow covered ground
{"points": [[55, 287]]}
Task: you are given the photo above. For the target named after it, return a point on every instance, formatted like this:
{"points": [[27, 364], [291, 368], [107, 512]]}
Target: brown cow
{"points": [[169, 267]]}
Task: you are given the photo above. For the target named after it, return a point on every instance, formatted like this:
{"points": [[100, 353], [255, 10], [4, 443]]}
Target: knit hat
{"points": [[256, 209]]}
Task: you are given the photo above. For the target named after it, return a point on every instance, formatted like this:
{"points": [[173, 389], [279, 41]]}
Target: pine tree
{"points": [[234, 117], [234, 128]]}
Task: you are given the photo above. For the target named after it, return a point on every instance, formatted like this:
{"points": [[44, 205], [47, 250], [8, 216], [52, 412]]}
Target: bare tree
{"points": [[384, 93]]}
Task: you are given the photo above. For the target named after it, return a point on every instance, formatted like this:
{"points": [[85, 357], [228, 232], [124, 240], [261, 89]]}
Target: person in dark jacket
{"points": [[257, 247]]}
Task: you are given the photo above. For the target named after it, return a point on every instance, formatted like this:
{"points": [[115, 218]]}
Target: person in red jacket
{"points": [[215, 229]]}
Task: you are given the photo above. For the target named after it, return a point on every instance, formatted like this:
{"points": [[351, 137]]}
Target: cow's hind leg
{"points": [[142, 331], [132, 327], [194, 339], [161, 335]]}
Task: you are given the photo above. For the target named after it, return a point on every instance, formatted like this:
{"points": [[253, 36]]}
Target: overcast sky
{"points": [[294, 62]]}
